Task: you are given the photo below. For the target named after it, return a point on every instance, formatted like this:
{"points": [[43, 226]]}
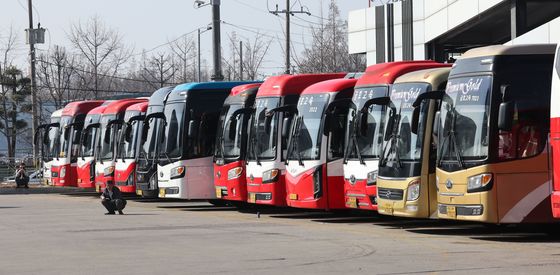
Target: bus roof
{"points": [[208, 85], [56, 113], [243, 94], [528, 49], [244, 88], [292, 84], [435, 77], [119, 106], [140, 107], [159, 96], [386, 73], [80, 107], [331, 86]]}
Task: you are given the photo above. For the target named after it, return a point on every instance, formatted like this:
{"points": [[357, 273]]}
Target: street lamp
{"points": [[209, 27]]}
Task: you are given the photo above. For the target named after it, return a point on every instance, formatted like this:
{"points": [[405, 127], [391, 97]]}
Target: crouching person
{"points": [[112, 199]]}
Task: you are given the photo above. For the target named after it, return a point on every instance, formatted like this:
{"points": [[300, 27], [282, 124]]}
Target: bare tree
{"points": [[158, 69], [254, 52], [55, 76], [329, 48], [184, 56], [102, 49]]}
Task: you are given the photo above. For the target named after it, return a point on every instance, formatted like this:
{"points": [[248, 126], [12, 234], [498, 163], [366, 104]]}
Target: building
{"points": [[439, 29]]}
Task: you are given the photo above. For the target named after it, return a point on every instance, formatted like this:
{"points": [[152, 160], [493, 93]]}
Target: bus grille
{"points": [[390, 194]]}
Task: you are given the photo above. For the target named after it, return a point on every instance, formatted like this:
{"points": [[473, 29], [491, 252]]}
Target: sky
{"points": [[145, 24]]}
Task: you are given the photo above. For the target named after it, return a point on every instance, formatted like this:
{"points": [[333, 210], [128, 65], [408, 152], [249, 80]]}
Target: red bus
{"points": [[130, 139], [110, 123], [314, 177], [88, 147], [273, 110], [555, 135], [231, 144], [63, 169], [365, 130]]}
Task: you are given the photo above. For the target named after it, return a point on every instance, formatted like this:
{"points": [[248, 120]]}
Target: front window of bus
{"points": [[366, 143], [263, 144], [88, 142], [173, 136], [464, 119], [107, 137], [52, 143], [148, 149], [305, 142], [227, 147], [403, 144], [65, 137], [128, 142]]}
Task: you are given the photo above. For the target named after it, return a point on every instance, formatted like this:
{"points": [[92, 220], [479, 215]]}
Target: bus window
{"points": [[337, 135]]}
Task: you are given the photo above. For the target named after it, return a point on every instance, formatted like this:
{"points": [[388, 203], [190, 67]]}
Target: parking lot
{"points": [[68, 234]]}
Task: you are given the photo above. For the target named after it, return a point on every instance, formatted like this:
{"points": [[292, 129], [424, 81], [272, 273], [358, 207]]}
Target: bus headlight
{"points": [[109, 171], [413, 190], [371, 178], [234, 173], [318, 182], [479, 183], [177, 172], [62, 173], [270, 176]]}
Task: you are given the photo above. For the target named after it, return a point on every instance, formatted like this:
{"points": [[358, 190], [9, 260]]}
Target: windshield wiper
{"points": [[393, 142], [294, 144], [353, 143], [451, 139]]}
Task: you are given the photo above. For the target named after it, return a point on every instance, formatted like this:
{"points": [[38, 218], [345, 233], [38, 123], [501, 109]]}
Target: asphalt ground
{"points": [[68, 234]]}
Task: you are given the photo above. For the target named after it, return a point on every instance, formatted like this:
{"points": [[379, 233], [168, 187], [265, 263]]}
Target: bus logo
{"points": [[252, 177], [352, 179], [449, 184]]}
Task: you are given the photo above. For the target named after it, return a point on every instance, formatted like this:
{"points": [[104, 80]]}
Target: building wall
{"points": [[431, 19]]}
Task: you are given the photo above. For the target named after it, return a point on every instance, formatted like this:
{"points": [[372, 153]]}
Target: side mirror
{"points": [[77, 138], [128, 133], [505, 116], [390, 125], [437, 123], [107, 136], [286, 125], [193, 129], [145, 131], [415, 120], [268, 122], [363, 123], [232, 128]]}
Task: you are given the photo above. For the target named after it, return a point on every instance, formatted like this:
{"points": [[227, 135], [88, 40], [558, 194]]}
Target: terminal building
{"points": [[394, 30]]}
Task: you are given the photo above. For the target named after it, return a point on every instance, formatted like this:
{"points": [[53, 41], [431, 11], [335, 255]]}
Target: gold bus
{"points": [[492, 163], [406, 178]]}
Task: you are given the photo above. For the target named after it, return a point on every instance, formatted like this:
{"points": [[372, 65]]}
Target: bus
{"points": [[407, 165], [146, 167], [128, 146], [314, 177], [185, 165], [63, 169], [231, 144], [555, 135], [492, 163], [110, 123], [46, 138], [88, 147], [274, 106], [365, 130]]}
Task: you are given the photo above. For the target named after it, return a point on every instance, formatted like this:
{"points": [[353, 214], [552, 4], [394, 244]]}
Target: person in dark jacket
{"points": [[112, 199], [22, 179]]}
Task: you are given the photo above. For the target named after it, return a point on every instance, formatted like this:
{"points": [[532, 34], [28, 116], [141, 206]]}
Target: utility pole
{"points": [[217, 45], [198, 50], [240, 60], [288, 12], [34, 121]]}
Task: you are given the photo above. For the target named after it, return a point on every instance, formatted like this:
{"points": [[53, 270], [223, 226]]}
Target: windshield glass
{"points": [[128, 143], [263, 143], [148, 149], [368, 140], [65, 137], [88, 142], [107, 137], [230, 148], [51, 146], [407, 145], [306, 132], [464, 112], [173, 136]]}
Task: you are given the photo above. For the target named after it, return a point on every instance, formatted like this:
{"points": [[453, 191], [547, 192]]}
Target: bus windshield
{"points": [[65, 138], [127, 145], [173, 137], [88, 142], [464, 119], [107, 137], [225, 146], [366, 143], [263, 144], [51, 147], [148, 149], [305, 143], [405, 145]]}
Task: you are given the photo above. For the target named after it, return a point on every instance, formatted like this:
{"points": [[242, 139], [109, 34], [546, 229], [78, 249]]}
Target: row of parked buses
{"points": [[478, 140]]}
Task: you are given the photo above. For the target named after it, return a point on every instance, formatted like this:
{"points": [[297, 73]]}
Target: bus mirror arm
{"points": [[437, 95], [505, 115]]}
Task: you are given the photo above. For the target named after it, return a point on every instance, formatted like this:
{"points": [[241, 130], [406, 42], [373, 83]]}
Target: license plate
{"points": [[218, 192], [352, 202], [139, 192], [293, 197], [97, 188], [388, 208], [452, 212], [252, 197], [162, 192]]}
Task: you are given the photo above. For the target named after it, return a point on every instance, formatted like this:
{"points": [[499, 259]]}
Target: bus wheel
{"points": [[220, 203]]}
